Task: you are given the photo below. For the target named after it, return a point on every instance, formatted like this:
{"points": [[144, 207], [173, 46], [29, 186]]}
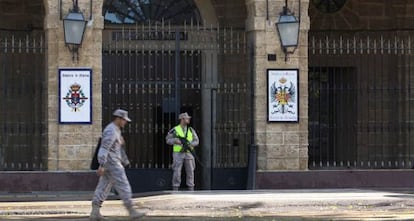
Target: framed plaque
{"points": [[75, 95], [282, 95]]}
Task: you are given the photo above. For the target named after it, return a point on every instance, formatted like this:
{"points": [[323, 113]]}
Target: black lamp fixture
{"points": [[74, 25], [288, 28]]}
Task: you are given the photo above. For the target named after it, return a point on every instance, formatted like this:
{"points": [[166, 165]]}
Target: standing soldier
{"points": [[111, 168], [183, 138]]}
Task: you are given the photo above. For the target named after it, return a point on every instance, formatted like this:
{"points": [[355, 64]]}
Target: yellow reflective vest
{"points": [[180, 133]]}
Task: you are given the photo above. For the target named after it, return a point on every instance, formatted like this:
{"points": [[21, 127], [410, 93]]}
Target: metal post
{"points": [[251, 171], [177, 73], [75, 6], [267, 10], [213, 91]]}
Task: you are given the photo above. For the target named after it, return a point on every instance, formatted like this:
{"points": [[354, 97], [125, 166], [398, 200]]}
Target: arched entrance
{"points": [[159, 60], [22, 77]]}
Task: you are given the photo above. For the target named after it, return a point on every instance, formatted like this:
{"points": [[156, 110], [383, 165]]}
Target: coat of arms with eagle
{"points": [[282, 97], [75, 98]]}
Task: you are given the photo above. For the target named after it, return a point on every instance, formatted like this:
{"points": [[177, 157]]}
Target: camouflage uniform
{"points": [[180, 158], [112, 158]]}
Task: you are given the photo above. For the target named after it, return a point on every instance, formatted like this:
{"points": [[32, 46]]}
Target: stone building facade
{"points": [[280, 146], [70, 146]]}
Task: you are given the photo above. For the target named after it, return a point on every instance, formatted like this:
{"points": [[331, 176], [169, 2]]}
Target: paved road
{"points": [[332, 204]]}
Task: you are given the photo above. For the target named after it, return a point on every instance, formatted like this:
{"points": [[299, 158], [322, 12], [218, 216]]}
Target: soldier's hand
{"points": [[100, 171], [178, 141]]}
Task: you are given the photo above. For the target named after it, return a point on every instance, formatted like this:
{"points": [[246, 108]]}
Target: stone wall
{"points": [[70, 146], [281, 146]]}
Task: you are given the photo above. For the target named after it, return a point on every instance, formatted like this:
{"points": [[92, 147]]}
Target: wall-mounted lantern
{"points": [[288, 28], [74, 25]]}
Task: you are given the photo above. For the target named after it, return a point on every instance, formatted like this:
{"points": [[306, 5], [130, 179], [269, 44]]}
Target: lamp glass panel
{"points": [[287, 18], [288, 33], [74, 25]]}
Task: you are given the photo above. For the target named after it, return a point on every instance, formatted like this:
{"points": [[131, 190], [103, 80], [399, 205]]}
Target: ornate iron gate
{"points": [[22, 124], [157, 71], [360, 99]]}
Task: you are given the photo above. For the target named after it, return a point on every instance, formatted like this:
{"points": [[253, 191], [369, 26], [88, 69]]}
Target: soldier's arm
{"points": [[124, 157], [108, 139], [195, 141], [171, 138]]}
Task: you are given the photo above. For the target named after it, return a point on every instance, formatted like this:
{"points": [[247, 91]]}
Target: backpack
{"points": [[95, 162]]}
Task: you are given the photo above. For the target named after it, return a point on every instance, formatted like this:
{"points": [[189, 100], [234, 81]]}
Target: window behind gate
{"points": [[332, 107], [361, 112]]}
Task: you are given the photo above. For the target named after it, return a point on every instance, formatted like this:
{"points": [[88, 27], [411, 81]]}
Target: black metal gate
{"points": [[158, 71], [22, 101], [360, 94]]}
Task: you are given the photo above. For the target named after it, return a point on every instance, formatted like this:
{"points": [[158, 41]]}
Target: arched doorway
{"points": [[22, 77], [159, 60], [174, 12]]}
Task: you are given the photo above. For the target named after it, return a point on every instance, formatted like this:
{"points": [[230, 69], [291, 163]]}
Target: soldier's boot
{"points": [[96, 214], [134, 214]]}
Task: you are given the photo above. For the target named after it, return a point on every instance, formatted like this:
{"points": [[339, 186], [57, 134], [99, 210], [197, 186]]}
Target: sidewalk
{"points": [[332, 204]]}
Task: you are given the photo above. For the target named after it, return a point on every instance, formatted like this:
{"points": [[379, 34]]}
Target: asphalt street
{"points": [[330, 204]]}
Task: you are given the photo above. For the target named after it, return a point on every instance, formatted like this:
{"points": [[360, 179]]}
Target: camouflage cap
{"points": [[184, 116], [122, 114]]}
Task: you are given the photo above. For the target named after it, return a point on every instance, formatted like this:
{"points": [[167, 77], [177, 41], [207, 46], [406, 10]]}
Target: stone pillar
{"points": [[281, 146], [70, 147]]}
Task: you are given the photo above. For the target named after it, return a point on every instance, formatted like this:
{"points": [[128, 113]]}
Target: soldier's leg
{"points": [[177, 166], [122, 186], [102, 190], [189, 164], [101, 193]]}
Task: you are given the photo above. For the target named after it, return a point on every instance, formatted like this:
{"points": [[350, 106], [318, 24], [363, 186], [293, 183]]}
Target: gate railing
{"points": [[361, 43], [140, 74], [22, 124], [232, 126], [224, 40], [361, 89]]}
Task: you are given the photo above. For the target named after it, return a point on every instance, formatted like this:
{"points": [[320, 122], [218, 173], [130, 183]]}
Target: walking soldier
{"points": [[111, 168]]}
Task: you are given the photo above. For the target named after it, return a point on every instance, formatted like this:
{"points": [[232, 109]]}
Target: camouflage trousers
{"points": [[189, 164], [115, 177]]}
